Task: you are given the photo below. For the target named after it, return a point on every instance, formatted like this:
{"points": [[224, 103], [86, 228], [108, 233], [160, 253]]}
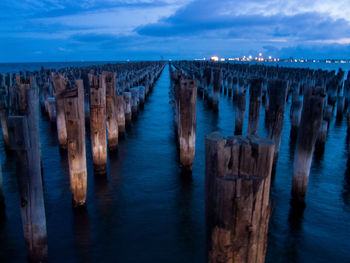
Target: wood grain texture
{"points": [[237, 178], [74, 116]]}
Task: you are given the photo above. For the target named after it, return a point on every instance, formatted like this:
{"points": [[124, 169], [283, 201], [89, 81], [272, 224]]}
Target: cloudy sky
{"points": [[66, 30]]}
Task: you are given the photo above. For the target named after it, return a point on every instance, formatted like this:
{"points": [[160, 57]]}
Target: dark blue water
{"points": [[144, 210]]}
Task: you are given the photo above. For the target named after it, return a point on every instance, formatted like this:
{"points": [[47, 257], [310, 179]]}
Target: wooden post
{"points": [[225, 84], [186, 106], [322, 135], [216, 89], [121, 114], [51, 108], [24, 138], [4, 125], [2, 199], [59, 83], [238, 209], [127, 109], [134, 101], [347, 91], [311, 119], [340, 107], [295, 92], [254, 105], [142, 95], [98, 123], [234, 88], [4, 103], [86, 82], [75, 123], [295, 117], [332, 92], [277, 90], [328, 113], [229, 87], [240, 111], [108, 80]]}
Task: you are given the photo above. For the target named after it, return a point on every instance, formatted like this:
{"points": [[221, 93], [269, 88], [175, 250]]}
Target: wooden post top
{"points": [[242, 156]]}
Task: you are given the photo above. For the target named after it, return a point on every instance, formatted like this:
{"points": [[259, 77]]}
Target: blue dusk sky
{"points": [[86, 30]]}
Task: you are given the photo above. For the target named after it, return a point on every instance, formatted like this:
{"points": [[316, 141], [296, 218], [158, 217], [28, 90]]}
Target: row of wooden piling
{"points": [[272, 87], [239, 169], [62, 95]]}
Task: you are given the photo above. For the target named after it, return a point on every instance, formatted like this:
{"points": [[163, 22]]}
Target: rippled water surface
{"points": [[144, 210]]}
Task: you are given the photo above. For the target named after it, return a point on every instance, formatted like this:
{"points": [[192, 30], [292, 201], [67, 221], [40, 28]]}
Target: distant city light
{"points": [[250, 58]]}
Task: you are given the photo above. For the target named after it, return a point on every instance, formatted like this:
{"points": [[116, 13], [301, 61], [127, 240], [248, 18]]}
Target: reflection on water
{"points": [[81, 229], [145, 209]]}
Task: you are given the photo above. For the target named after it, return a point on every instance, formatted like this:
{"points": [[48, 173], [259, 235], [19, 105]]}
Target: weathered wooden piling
{"points": [[340, 106], [310, 123], [240, 111], [237, 82], [229, 86], [347, 91], [4, 125], [142, 96], [295, 118], [332, 90], [237, 189], [134, 101], [328, 113], [277, 90], [322, 135], [207, 80], [127, 109], [217, 84], [108, 79], [254, 105], [121, 114], [24, 138], [295, 92], [59, 83], [98, 123], [75, 124], [2, 199], [186, 107], [50, 108]]}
